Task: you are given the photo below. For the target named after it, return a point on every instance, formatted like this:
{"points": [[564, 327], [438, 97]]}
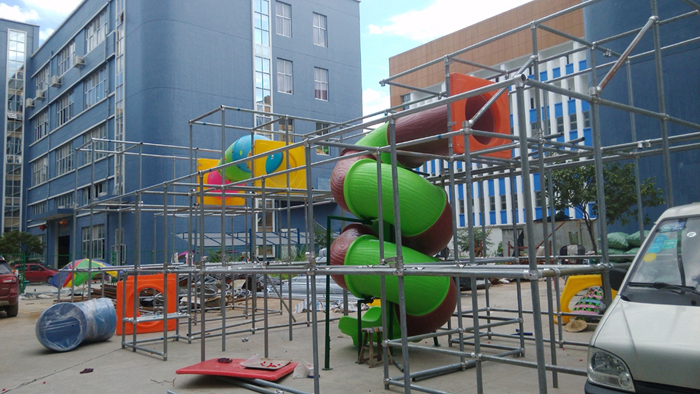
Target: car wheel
{"points": [[48, 279], [12, 310]]}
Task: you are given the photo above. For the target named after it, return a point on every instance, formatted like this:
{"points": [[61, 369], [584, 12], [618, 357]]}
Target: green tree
{"points": [[11, 243], [576, 188], [481, 241], [320, 236]]}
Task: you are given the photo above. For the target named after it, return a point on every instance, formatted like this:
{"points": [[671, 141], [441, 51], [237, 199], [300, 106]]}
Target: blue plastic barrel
{"points": [[64, 326]]}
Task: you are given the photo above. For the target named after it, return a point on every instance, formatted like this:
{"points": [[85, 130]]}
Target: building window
{"points": [[119, 92], [64, 159], [538, 198], [64, 108], [573, 122], [586, 119], [269, 224], [41, 125], [322, 128], [65, 58], [503, 203], [39, 171], [263, 98], [42, 80], [262, 81], [93, 245], [320, 31], [38, 209], [88, 194], [99, 132], [65, 201], [284, 76], [262, 22], [96, 31], [283, 16], [321, 83], [492, 203], [95, 87], [560, 124], [406, 98], [287, 125]]}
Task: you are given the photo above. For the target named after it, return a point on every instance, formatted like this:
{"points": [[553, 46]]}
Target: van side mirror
{"points": [[617, 276]]}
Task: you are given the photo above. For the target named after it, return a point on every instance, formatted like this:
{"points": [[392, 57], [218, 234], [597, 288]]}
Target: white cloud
{"points": [[374, 29], [45, 33], [374, 101], [60, 7], [15, 13], [442, 17]]}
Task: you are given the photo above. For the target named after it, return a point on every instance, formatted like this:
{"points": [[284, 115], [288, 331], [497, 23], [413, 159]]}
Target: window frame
{"points": [[42, 79], [323, 150], [64, 159], [65, 58], [95, 87], [319, 72], [560, 124], [40, 208], [64, 201], [64, 108], [320, 30], [93, 240], [283, 21], [586, 119], [404, 99], [285, 76], [40, 170], [96, 132], [41, 130], [96, 31]]}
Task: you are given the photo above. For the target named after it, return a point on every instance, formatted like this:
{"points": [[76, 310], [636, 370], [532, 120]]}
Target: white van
{"points": [[648, 341]]}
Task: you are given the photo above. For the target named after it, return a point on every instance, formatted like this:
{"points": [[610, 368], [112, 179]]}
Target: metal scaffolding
{"points": [[539, 153]]}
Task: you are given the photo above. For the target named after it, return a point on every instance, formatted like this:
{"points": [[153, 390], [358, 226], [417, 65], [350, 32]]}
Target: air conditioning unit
{"points": [[79, 61], [55, 81], [29, 102], [40, 94]]}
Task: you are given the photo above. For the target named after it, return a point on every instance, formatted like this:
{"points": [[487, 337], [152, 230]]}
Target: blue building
{"points": [[17, 42], [134, 71], [680, 82]]}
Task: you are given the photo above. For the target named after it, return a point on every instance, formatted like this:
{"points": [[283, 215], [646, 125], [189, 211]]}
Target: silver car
{"points": [[648, 341]]}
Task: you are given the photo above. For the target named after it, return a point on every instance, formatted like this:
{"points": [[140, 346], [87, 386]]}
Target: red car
{"points": [[9, 290], [36, 272]]}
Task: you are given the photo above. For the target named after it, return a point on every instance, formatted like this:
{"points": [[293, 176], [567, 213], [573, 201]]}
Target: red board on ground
{"points": [[235, 370]]}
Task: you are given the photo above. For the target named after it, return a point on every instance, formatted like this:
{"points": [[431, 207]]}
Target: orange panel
{"points": [[146, 282], [496, 119]]}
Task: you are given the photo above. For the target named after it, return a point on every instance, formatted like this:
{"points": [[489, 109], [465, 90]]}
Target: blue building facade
{"points": [[680, 81], [132, 71]]}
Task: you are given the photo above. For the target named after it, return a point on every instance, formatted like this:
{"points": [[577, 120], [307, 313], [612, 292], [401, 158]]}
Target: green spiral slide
{"points": [[426, 227]]}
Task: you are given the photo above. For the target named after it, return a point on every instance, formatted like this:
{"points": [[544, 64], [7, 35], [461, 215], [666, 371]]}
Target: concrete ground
{"points": [[27, 367]]}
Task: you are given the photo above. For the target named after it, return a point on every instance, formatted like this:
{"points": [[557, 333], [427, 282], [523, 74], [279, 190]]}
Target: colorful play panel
{"points": [[154, 282]]}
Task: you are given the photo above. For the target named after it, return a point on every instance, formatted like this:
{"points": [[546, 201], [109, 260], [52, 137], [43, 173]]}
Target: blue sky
{"points": [[388, 27]]}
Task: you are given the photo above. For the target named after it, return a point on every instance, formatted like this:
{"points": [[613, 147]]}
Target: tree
{"points": [[481, 242], [11, 243], [576, 188], [320, 236]]}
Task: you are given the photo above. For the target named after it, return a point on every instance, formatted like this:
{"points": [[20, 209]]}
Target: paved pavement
{"points": [[27, 367]]}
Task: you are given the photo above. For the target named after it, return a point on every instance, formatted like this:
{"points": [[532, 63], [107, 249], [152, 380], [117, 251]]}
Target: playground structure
{"points": [[381, 265]]}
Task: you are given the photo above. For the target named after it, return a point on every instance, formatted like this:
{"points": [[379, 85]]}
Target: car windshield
{"points": [[4, 268], [672, 255]]}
